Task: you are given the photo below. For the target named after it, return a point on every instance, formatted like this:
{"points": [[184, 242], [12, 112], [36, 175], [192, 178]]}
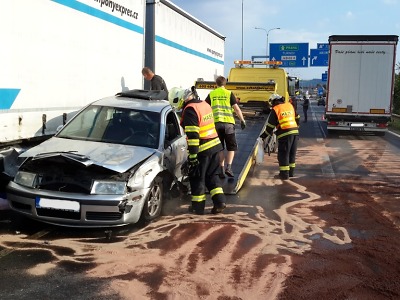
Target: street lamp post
{"points": [[266, 53], [267, 38], [267, 32]]}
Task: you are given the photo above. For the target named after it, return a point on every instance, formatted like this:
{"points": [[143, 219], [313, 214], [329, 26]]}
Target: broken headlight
{"points": [[26, 178]]}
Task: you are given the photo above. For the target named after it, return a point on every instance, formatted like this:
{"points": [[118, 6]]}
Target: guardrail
{"points": [[395, 117]]}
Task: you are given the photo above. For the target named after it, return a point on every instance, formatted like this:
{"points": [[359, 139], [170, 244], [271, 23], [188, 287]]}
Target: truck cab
{"points": [[259, 73]]}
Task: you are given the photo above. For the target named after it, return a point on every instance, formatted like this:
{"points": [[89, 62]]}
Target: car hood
{"points": [[119, 158]]}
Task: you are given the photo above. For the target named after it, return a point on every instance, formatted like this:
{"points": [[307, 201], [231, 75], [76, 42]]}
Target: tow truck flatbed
{"points": [[246, 153]]}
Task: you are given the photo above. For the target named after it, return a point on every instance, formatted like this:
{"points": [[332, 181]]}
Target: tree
{"points": [[396, 97]]}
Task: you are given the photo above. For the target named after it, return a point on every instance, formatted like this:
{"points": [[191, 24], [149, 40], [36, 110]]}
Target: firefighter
{"points": [[204, 147], [284, 118]]}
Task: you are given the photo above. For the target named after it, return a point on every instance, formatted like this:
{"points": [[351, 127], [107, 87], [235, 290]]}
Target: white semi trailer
{"points": [[179, 47], [360, 82], [57, 56]]}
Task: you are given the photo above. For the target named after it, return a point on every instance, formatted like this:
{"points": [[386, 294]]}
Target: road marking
{"points": [[326, 168], [395, 134]]}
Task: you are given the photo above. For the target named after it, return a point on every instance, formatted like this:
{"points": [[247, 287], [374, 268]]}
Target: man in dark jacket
{"points": [[284, 118], [204, 147], [157, 82], [306, 104]]}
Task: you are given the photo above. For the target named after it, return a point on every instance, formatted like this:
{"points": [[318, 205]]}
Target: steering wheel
{"points": [[139, 137]]}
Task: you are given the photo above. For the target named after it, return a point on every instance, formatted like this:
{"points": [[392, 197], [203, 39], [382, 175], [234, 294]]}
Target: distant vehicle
{"points": [[111, 165], [321, 101], [360, 85]]}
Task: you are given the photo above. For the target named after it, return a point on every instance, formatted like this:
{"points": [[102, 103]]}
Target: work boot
{"points": [[291, 172], [217, 209], [282, 176], [197, 208], [228, 171], [195, 211]]}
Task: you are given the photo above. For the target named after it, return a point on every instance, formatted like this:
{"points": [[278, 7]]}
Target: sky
{"points": [[309, 21]]}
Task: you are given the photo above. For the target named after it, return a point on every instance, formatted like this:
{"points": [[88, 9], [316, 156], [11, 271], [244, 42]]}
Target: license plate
{"points": [[357, 127], [57, 204]]}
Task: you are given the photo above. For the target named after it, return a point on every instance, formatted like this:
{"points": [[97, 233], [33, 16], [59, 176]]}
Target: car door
{"points": [[175, 145]]}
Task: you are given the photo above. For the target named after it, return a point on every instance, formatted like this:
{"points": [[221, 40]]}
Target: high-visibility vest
{"points": [[208, 136], [286, 118], [221, 105]]}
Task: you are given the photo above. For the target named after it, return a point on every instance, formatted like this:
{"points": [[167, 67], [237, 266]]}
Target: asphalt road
{"points": [[332, 232]]}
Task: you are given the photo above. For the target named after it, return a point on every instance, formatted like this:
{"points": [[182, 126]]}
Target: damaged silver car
{"points": [[111, 165]]}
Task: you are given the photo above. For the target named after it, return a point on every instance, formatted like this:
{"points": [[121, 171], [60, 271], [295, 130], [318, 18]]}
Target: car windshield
{"points": [[114, 125]]}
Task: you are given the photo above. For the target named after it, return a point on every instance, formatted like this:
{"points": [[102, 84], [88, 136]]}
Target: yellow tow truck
{"points": [[253, 82]]}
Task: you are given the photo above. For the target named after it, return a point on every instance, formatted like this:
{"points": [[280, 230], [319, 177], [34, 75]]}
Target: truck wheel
{"points": [[153, 204]]}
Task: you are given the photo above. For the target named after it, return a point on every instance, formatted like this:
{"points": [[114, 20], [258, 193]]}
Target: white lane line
{"points": [[395, 134], [326, 168]]}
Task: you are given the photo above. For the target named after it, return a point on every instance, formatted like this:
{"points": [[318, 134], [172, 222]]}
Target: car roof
{"points": [[134, 101]]}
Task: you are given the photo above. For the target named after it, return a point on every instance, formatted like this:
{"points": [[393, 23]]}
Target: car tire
{"points": [[153, 205], [275, 147]]}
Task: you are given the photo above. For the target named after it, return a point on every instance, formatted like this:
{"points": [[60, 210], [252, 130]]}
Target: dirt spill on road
{"points": [[236, 254], [302, 250]]}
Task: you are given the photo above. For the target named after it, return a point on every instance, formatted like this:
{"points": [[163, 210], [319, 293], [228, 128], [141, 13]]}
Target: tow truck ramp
{"points": [[246, 153]]}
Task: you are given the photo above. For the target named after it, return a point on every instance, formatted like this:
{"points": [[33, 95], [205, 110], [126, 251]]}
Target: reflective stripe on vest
{"points": [[221, 105], [206, 128]]}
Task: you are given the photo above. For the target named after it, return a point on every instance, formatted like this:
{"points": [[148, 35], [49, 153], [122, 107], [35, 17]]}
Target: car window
{"points": [[114, 125], [82, 125], [172, 128]]}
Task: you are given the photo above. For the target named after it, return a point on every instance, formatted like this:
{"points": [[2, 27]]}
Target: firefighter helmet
{"points": [[274, 99], [175, 97], [186, 94]]}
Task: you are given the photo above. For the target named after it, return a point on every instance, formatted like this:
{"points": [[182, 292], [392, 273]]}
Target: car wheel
{"points": [[267, 147], [274, 147], [153, 204]]}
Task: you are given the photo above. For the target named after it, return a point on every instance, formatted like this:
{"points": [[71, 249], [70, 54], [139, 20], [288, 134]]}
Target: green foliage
{"points": [[394, 125], [396, 97]]}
